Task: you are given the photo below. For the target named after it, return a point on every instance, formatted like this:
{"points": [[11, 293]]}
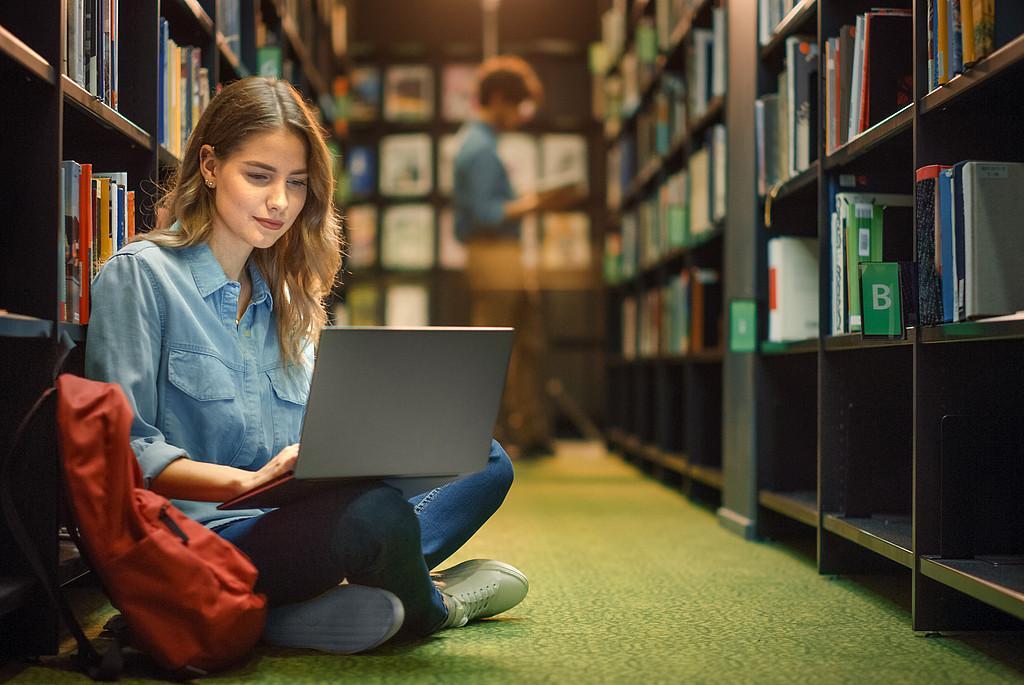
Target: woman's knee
{"points": [[500, 469], [380, 514]]}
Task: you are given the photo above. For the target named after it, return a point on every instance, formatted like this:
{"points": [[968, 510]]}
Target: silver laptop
{"points": [[413, 406]]}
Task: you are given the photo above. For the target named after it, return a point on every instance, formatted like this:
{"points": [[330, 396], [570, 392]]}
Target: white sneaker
{"points": [[480, 588], [344, 620]]}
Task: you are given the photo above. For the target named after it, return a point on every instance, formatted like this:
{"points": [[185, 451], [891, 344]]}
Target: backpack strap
{"points": [[104, 667]]}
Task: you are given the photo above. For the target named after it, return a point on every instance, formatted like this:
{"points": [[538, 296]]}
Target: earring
{"points": [[209, 183]]}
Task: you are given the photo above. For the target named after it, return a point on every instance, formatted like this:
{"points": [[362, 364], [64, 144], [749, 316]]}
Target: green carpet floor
{"points": [[631, 583]]}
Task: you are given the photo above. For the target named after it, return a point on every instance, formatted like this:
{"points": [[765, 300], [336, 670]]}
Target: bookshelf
{"points": [[898, 455], [50, 117], [665, 396]]}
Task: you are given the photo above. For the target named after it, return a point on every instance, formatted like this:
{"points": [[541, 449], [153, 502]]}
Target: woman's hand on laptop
{"points": [[282, 463]]}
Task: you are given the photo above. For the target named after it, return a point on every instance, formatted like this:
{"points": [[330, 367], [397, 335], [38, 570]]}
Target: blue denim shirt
{"points": [[163, 326], [482, 186]]}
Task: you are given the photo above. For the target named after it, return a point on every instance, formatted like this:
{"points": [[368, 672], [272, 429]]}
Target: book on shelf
{"points": [[458, 82], [927, 251], [409, 93], [865, 227], [770, 14], [269, 61], [69, 282], [361, 223], [868, 73], [801, 102], [767, 154], [92, 47], [364, 93], [520, 155], [407, 305], [706, 75], [566, 240], [183, 91], [792, 288], [406, 165], [362, 302], [451, 252], [407, 237], [629, 327], [705, 309], [676, 314], [612, 264], [963, 32], [362, 170]]}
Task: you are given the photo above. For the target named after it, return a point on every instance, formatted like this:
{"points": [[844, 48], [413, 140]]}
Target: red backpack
{"points": [[185, 593]]}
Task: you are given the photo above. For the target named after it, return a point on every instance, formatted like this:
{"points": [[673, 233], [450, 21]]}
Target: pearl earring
{"points": [[209, 184]]}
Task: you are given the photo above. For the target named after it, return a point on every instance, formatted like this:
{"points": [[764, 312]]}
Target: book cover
{"points": [[563, 160], [361, 224], [364, 94], [801, 74], [994, 249], [458, 82], [407, 237], [889, 86], [362, 170], [409, 93], [406, 165], [407, 305], [792, 288]]}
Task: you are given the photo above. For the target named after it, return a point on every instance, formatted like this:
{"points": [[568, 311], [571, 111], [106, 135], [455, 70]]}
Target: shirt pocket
{"points": [[203, 413], [290, 387]]}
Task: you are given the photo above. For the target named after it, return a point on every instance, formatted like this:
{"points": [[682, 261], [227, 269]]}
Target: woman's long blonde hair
{"points": [[301, 267]]}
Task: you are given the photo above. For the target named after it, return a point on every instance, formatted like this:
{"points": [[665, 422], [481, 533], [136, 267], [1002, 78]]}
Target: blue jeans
{"points": [[369, 534]]}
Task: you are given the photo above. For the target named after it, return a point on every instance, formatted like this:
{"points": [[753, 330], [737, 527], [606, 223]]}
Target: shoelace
{"points": [[470, 604]]}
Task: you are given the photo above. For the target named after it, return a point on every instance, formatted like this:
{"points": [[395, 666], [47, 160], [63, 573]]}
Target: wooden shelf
{"points": [[887, 535], [708, 475], [855, 341], [28, 58], [973, 331], [878, 134], [987, 70], [1000, 586], [795, 22], [806, 180], [178, 13], [800, 506], [230, 58], [101, 113], [14, 592], [772, 349]]}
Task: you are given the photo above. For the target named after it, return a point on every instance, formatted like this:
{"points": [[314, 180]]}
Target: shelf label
{"points": [[743, 326], [880, 299]]}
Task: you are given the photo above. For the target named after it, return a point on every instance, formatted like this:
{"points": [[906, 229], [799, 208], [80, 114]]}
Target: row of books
{"points": [[868, 73], [705, 73], [962, 32], [682, 317], [407, 163], [680, 212], [785, 121], [664, 122], [98, 217], [865, 227], [184, 91], [405, 94], [403, 238], [406, 304], [91, 52], [970, 253]]}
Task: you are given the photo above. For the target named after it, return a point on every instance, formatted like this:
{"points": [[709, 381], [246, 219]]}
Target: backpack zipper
{"points": [[170, 523]]}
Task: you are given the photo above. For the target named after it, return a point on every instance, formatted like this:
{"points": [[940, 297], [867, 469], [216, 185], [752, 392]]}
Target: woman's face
{"points": [[259, 189]]}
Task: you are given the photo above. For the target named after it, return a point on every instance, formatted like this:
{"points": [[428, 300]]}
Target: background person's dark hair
{"points": [[511, 78]]}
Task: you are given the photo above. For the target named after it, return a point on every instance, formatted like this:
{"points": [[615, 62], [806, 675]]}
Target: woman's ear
{"points": [[208, 165]]}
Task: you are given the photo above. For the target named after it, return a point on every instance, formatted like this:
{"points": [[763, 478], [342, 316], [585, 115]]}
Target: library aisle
{"points": [[677, 600]]}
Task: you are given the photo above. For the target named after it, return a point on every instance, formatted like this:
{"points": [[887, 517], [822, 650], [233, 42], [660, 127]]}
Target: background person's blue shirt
{"points": [[163, 326], [482, 186]]}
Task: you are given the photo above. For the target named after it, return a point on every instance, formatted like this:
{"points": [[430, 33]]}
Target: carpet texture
{"points": [[631, 583]]}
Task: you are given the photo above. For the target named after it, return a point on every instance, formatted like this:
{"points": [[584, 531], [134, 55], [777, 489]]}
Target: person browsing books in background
{"points": [[210, 322], [487, 219]]}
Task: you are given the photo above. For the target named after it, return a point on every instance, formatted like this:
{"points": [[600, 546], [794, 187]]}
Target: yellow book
{"points": [[942, 41], [967, 30], [106, 237]]}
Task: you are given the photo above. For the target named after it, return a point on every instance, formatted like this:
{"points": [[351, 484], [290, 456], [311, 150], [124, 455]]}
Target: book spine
{"points": [[62, 230], [85, 213], [942, 41], [956, 54], [928, 286], [984, 14], [967, 31]]}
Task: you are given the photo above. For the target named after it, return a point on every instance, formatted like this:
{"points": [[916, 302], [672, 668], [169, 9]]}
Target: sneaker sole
{"points": [[345, 620]]}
